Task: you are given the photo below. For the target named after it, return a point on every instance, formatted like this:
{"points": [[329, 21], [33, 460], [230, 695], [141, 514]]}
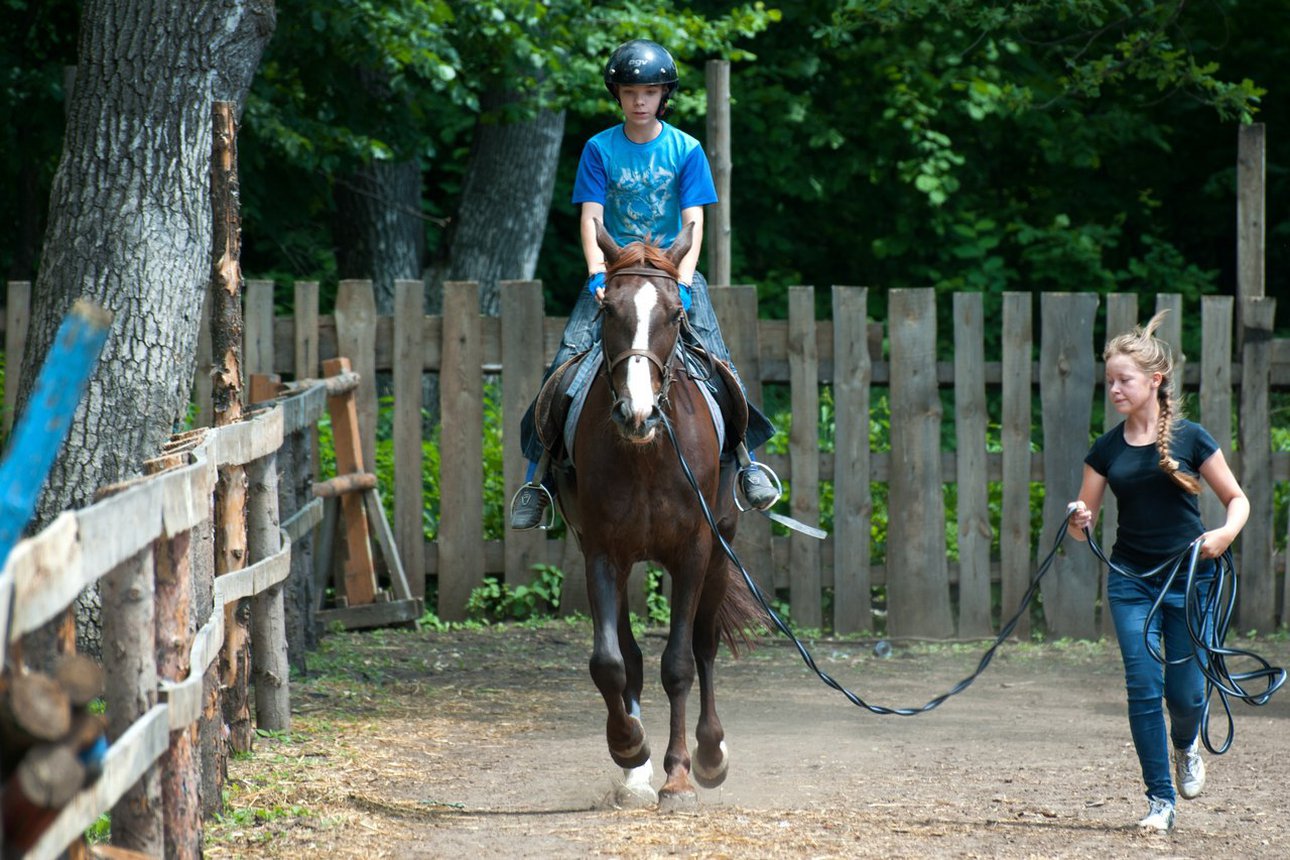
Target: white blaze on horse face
{"points": [[640, 391]]}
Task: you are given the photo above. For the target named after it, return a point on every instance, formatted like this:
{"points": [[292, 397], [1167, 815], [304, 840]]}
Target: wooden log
{"points": [[359, 582], [130, 661], [230, 556], [341, 383], [81, 678], [805, 592], [717, 225], [180, 767], [357, 482], [852, 497], [211, 749], [36, 709], [47, 778], [271, 671], [293, 496]]}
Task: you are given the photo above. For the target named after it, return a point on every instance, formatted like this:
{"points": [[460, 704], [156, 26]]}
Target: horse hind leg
{"points": [[711, 756]]}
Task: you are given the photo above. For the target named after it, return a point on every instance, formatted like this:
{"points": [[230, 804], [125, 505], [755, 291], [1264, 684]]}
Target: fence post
{"points": [[409, 361], [717, 226], [1014, 525], [1256, 607], [356, 340], [268, 618], [130, 671], [852, 502], [1121, 316], [17, 320], [1066, 393], [523, 363], [918, 593], [461, 470], [180, 770], [804, 457], [970, 420]]}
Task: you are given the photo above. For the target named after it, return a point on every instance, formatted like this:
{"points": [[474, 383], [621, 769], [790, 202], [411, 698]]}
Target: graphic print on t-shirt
{"points": [[640, 195]]}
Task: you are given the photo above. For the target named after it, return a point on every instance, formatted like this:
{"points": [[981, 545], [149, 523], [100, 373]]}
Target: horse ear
{"points": [[681, 247], [606, 242]]}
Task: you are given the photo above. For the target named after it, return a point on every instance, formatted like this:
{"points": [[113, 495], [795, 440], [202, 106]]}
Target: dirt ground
{"points": [[489, 744]]}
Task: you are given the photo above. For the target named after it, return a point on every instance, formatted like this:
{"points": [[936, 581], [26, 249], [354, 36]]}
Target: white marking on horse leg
{"points": [[706, 775], [636, 791], [640, 392]]}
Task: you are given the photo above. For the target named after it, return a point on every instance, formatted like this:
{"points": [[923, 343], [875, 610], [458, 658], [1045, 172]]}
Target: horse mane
{"points": [[639, 254]]}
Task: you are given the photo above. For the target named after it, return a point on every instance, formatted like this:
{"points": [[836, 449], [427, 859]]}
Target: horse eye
{"points": [[676, 316]]}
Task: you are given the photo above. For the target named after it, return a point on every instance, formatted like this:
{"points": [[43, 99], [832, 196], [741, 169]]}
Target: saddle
{"points": [[559, 402]]}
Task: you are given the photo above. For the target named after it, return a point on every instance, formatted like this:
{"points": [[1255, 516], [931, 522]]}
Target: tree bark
{"points": [[129, 226], [379, 229], [505, 198]]}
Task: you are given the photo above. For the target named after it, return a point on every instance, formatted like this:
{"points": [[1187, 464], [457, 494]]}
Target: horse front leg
{"points": [[623, 730]]}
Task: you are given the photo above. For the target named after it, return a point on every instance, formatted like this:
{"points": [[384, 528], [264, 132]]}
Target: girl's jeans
{"points": [[1181, 684]]}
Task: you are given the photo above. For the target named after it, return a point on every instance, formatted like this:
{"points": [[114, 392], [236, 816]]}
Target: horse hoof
{"points": [[677, 801], [635, 792], [635, 755], [711, 775]]}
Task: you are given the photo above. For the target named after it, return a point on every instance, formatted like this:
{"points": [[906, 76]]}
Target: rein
{"points": [[1217, 675]]}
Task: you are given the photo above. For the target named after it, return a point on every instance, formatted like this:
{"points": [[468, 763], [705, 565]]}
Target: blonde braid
{"points": [[1164, 435]]}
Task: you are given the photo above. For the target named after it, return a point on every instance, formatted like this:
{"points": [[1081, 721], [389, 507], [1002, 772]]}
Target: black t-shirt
{"points": [[1158, 518]]}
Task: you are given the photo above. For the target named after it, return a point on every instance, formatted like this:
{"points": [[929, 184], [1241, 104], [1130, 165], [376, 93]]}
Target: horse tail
{"points": [[741, 620]]}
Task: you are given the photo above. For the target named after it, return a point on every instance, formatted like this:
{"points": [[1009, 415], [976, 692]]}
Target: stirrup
{"points": [[754, 464], [548, 508]]}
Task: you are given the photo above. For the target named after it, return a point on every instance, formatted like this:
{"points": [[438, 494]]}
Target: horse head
{"points": [[642, 318]]}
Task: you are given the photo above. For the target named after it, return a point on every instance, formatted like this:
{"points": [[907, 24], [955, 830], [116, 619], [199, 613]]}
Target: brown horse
{"points": [[628, 501]]}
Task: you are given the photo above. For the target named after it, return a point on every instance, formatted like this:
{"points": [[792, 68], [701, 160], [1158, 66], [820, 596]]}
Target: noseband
{"points": [[664, 369]]}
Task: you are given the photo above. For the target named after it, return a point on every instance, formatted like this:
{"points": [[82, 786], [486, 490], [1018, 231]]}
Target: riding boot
{"points": [[755, 480], [532, 500]]}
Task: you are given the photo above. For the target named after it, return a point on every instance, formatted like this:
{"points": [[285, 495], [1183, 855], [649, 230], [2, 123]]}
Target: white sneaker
{"points": [[1160, 816], [1189, 770]]}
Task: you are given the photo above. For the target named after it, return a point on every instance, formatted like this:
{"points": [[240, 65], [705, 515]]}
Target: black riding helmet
{"points": [[641, 61]]}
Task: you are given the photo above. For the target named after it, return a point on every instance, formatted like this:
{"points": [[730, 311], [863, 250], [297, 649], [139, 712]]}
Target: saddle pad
{"points": [[581, 384]]}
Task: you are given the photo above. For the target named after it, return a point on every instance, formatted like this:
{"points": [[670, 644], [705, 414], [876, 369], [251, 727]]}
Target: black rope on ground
{"points": [[1214, 665]]}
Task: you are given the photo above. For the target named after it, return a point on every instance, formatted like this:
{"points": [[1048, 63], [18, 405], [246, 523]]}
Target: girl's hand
{"points": [[1080, 516], [1215, 542]]}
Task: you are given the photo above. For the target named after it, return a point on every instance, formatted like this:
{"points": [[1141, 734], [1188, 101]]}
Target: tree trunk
{"points": [[379, 229], [505, 198], [129, 226]]}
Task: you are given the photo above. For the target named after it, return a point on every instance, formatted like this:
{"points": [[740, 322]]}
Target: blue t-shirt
{"points": [[644, 186], [1158, 518]]}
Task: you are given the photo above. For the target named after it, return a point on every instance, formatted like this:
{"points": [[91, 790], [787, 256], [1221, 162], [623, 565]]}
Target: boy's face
{"points": [[640, 102]]}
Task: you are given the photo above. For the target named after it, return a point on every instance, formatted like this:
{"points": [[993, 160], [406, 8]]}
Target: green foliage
{"points": [[658, 607], [495, 601]]}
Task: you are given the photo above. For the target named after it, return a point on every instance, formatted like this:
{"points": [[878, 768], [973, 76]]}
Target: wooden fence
{"points": [[1048, 365], [150, 543]]}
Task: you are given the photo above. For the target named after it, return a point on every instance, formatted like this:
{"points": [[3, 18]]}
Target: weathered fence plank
{"points": [[306, 361], [970, 419], [270, 670], [736, 307], [409, 489], [1015, 551], [356, 340], [852, 501], [803, 456], [1066, 392], [1216, 389], [524, 363], [1121, 316], [461, 478], [1256, 601], [917, 578], [257, 343]]}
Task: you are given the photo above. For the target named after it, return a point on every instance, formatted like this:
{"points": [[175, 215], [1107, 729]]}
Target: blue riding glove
{"points": [[684, 290], [595, 281]]}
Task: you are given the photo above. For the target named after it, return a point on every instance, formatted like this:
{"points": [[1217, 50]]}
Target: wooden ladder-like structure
{"points": [[353, 520]]}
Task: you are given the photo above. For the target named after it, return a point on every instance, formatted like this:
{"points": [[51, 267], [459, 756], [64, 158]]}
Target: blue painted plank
{"points": [[44, 423]]}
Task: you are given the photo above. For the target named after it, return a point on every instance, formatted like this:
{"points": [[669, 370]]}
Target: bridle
{"points": [[664, 368]]}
